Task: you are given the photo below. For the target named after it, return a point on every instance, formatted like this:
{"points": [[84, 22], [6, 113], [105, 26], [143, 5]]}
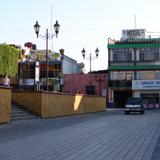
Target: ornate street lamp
{"points": [[56, 28], [90, 56], [37, 28], [46, 37]]}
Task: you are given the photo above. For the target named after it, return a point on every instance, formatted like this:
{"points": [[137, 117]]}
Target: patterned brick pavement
{"points": [[107, 135]]}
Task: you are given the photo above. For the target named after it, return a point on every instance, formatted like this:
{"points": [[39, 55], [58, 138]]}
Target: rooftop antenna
{"points": [[51, 24], [135, 21]]}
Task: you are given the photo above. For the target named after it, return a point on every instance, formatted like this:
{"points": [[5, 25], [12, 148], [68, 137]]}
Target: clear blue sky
{"points": [[84, 23]]}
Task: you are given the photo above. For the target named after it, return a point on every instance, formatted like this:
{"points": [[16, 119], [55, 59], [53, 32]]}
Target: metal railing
{"points": [[120, 83]]}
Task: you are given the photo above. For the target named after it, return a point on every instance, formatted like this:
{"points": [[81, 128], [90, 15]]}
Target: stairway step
{"points": [[24, 118], [21, 113]]}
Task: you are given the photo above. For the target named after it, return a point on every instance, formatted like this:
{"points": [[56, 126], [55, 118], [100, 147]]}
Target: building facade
{"points": [[36, 77], [70, 66], [134, 68], [93, 84], [58, 65], [27, 75]]}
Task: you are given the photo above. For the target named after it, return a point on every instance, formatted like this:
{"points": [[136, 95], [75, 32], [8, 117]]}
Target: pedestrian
{"points": [[6, 81]]}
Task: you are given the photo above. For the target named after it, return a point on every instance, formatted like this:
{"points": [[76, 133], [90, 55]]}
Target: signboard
{"points": [[37, 72], [145, 84], [26, 82], [133, 34]]}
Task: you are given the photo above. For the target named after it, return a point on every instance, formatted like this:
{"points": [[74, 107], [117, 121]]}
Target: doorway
{"points": [[120, 97], [90, 90]]}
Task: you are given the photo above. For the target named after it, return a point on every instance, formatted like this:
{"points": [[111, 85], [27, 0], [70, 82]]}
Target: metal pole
{"points": [[135, 57], [47, 59], [51, 23], [90, 58]]}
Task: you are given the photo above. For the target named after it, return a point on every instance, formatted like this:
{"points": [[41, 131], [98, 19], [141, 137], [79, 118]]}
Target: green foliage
{"points": [[8, 60], [28, 56]]}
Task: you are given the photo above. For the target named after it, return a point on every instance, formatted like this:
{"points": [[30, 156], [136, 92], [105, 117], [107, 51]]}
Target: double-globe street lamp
{"points": [[47, 37], [90, 58]]}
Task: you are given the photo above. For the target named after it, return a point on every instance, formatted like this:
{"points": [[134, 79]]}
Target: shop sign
{"points": [[145, 84]]}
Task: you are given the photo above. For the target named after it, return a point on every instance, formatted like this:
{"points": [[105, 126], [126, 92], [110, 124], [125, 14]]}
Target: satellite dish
{"points": [[81, 65]]}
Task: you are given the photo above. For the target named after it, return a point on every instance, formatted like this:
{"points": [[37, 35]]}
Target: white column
{"points": [[111, 55], [137, 55], [136, 93], [132, 54]]}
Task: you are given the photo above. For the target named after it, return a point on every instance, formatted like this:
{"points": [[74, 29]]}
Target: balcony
{"points": [[121, 63], [148, 62], [120, 83]]}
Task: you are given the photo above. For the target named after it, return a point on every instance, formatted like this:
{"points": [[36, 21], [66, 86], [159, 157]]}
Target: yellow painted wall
{"points": [[59, 105], [5, 104], [29, 99], [48, 104]]}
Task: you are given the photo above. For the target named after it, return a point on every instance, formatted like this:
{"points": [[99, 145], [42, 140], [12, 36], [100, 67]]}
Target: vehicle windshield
{"points": [[133, 101]]}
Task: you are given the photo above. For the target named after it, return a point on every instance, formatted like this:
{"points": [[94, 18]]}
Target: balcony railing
{"points": [[138, 62], [120, 63], [148, 62], [120, 83]]}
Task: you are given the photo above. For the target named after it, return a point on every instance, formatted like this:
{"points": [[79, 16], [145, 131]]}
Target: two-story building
{"points": [[134, 68], [58, 65]]}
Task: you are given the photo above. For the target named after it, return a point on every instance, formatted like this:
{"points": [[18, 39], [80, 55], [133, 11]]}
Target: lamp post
{"points": [[90, 58], [46, 37]]}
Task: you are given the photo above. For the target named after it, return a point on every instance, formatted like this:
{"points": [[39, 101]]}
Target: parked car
{"points": [[134, 104]]}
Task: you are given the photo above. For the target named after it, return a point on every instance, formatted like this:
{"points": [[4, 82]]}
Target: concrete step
{"points": [[21, 113]]}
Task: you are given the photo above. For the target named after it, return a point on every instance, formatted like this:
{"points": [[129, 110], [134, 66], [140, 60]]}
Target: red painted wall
{"points": [[76, 83]]}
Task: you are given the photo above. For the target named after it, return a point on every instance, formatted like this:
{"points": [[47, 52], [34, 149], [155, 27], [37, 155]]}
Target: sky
{"points": [[84, 24]]}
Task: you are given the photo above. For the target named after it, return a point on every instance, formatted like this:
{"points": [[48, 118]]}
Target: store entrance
{"points": [[120, 97], [151, 98]]}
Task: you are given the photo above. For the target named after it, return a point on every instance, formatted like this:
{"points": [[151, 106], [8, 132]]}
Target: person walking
{"points": [[6, 81]]}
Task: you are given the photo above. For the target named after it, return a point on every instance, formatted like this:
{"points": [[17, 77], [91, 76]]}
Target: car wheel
{"points": [[126, 112]]}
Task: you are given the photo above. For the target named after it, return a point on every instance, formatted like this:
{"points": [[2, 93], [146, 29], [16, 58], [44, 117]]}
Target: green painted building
{"points": [[134, 68]]}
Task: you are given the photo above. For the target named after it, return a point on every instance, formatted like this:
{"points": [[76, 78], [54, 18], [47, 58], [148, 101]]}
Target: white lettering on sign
{"points": [[145, 84]]}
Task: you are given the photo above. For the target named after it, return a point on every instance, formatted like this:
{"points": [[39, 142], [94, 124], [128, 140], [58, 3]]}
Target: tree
{"points": [[8, 60]]}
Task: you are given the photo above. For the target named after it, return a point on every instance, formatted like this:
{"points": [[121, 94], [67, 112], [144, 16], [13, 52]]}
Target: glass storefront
{"points": [[151, 100]]}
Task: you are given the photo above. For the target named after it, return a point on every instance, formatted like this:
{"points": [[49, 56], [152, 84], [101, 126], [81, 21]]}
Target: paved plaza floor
{"points": [[109, 135]]}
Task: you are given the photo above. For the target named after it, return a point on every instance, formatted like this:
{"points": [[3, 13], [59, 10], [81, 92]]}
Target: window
{"points": [[121, 75], [147, 54], [26, 70], [148, 75], [122, 54]]}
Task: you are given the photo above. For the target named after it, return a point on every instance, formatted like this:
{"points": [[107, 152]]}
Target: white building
{"points": [[70, 66]]}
